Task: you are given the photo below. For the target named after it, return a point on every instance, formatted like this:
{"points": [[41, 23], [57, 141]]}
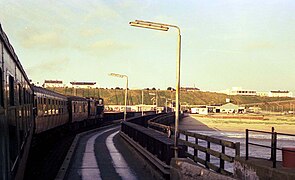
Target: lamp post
{"points": [[165, 27], [155, 98], [123, 76], [141, 102]]}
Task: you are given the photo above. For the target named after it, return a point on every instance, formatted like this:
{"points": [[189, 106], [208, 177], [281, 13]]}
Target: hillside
{"points": [[116, 96]]}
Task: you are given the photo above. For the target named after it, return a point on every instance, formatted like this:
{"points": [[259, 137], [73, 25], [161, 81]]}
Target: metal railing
{"points": [[196, 146], [273, 147]]}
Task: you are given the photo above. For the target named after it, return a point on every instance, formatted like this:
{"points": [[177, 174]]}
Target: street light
{"points": [[123, 76], [156, 99], [165, 27]]}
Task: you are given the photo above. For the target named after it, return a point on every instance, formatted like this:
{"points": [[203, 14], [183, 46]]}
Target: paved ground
{"points": [[105, 155], [190, 123]]}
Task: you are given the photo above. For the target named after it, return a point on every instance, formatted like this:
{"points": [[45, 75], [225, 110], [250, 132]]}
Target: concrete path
{"points": [[105, 155], [191, 123]]}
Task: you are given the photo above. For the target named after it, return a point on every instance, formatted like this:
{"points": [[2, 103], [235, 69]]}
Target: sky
{"points": [[225, 43]]}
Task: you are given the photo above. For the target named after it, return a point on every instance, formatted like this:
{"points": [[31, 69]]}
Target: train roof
{"points": [[48, 92], [12, 52]]}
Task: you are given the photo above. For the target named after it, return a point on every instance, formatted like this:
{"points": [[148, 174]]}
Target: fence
{"points": [[155, 124], [273, 147]]}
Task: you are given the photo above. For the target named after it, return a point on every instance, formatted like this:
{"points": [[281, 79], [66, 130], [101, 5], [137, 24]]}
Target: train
{"points": [[27, 111]]}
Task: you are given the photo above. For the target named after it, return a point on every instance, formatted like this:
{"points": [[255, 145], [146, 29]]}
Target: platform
{"points": [[103, 154]]}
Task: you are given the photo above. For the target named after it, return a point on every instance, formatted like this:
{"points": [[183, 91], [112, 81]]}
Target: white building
{"points": [[52, 83], [239, 91], [199, 110], [280, 94], [229, 108], [131, 108], [262, 94], [242, 92], [83, 84]]}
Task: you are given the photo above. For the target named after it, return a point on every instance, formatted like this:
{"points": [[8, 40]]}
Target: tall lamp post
{"points": [[141, 102], [123, 76], [165, 27]]}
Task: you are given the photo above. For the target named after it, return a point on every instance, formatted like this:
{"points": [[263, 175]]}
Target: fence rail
{"points": [[157, 124], [273, 147], [209, 151]]}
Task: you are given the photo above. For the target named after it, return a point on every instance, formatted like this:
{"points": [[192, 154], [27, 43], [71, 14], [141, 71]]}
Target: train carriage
{"points": [[78, 111], [51, 109], [16, 116]]}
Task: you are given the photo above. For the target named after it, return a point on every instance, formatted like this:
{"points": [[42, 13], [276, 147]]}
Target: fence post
{"points": [[247, 145], [207, 154], [221, 160], [274, 162], [196, 150], [272, 143], [237, 144]]}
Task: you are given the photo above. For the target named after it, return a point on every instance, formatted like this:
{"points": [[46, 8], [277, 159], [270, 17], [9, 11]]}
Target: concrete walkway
{"points": [[104, 155]]}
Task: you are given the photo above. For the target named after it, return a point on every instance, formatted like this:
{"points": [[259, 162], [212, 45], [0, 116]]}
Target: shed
{"points": [[229, 108]]}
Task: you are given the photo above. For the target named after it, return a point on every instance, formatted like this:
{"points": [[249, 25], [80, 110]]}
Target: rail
{"points": [[196, 146], [273, 147]]}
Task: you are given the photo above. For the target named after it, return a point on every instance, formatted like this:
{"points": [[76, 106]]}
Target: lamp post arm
{"points": [[160, 24]]}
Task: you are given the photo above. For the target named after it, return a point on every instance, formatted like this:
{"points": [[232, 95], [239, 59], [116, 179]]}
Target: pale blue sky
{"points": [[225, 43]]}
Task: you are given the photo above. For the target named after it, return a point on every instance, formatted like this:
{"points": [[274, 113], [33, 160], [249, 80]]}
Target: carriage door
{"points": [[12, 122]]}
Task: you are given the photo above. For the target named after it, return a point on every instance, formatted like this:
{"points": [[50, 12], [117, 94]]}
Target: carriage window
{"points": [[11, 90], [19, 94], [1, 89], [24, 95]]}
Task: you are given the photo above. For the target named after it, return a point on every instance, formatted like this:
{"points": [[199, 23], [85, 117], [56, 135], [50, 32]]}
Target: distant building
{"points": [[262, 94], [229, 108], [52, 83], [199, 110], [130, 108], [242, 92], [189, 89], [254, 109], [239, 91], [83, 84], [280, 94]]}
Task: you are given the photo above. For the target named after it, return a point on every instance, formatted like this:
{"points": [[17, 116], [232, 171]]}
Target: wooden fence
{"points": [[196, 146]]}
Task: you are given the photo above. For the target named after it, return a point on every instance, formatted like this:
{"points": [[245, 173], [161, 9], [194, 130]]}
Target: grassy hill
{"points": [[116, 96]]}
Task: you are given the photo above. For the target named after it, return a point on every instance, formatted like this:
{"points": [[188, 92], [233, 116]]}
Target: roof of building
{"points": [[83, 83], [229, 106], [53, 81], [189, 88], [279, 91]]}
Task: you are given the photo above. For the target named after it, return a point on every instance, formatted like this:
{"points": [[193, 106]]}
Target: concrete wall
{"points": [[186, 169], [255, 168]]}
